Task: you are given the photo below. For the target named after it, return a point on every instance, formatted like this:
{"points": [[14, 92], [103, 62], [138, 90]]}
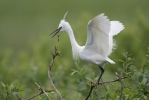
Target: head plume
{"points": [[65, 15]]}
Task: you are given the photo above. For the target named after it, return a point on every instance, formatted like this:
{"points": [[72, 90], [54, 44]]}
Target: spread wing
{"points": [[98, 35], [115, 28]]}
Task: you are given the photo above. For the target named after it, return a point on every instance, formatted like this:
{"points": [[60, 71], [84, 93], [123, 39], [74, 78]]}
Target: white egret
{"points": [[99, 43]]}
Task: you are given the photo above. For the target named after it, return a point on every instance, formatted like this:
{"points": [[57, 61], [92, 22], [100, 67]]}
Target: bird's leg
{"points": [[93, 85], [101, 73]]}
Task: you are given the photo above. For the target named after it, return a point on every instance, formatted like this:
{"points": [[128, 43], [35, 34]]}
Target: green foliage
{"points": [[127, 68], [139, 81], [10, 91], [25, 56], [136, 87]]}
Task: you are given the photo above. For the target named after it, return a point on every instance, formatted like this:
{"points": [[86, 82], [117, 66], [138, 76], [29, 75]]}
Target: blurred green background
{"points": [[25, 43]]}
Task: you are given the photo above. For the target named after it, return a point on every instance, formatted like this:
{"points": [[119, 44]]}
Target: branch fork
{"points": [[93, 85], [54, 55]]}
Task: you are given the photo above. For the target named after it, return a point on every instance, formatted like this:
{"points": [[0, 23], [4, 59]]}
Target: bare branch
{"points": [[91, 89], [56, 53], [108, 82], [18, 97], [51, 52], [39, 88], [41, 92], [55, 89], [93, 85]]}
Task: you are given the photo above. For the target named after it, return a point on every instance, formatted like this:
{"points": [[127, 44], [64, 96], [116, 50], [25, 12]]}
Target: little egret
{"points": [[99, 43]]}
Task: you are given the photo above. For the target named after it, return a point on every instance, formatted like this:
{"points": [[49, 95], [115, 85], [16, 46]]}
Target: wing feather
{"points": [[98, 35], [115, 28]]}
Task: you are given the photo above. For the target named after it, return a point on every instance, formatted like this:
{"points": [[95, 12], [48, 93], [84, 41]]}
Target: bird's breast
{"points": [[92, 57]]}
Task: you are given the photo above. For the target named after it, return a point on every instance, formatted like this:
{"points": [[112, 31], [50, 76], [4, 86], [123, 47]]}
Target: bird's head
{"points": [[63, 25]]}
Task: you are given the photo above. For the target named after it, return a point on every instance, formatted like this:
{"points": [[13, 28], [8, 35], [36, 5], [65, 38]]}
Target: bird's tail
{"points": [[109, 60]]}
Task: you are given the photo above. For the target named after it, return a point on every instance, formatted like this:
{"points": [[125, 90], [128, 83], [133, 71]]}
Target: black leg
{"points": [[101, 73], [94, 85]]}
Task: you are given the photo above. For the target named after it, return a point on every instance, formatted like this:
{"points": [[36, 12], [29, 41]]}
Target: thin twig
{"points": [[93, 85], [55, 89], [91, 89], [41, 92], [120, 80], [18, 97], [39, 88], [108, 82], [54, 55]]}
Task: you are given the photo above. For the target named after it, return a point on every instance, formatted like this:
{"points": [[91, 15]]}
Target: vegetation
{"points": [[25, 50]]}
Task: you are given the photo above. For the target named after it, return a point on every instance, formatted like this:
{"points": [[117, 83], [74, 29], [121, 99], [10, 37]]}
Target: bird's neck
{"points": [[76, 49]]}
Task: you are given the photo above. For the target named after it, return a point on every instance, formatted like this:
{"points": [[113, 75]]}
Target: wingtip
{"points": [[100, 15]]}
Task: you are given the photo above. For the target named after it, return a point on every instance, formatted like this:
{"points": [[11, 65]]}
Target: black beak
{"points": [[56, 31]]}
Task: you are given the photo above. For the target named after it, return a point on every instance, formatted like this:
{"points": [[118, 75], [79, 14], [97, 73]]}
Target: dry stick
{"points": [[18, 97], [56, 53], [120, 80], [93, 85], [50, 67], [91, 89], [113, 80], [39, 88], [42, 91], [40, 94]]}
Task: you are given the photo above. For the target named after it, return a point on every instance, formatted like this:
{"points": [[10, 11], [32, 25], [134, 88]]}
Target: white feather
{"points": [[99, 43], [115, 28], [98, 35]]}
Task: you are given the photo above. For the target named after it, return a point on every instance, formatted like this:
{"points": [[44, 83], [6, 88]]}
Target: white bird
{"points": [[99, 43]]}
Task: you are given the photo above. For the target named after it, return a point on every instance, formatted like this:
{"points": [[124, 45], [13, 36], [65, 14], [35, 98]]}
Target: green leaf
{"points": [[132, 67], [81, 71], [143, 69], [120, 60], [74, 72], [121, 70], [7, 88], [89, 79], [11, 86], [21, 88], [3, 84], [140, 78], [128, 91], [15, 93], [135, 76], [88, 86]]}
